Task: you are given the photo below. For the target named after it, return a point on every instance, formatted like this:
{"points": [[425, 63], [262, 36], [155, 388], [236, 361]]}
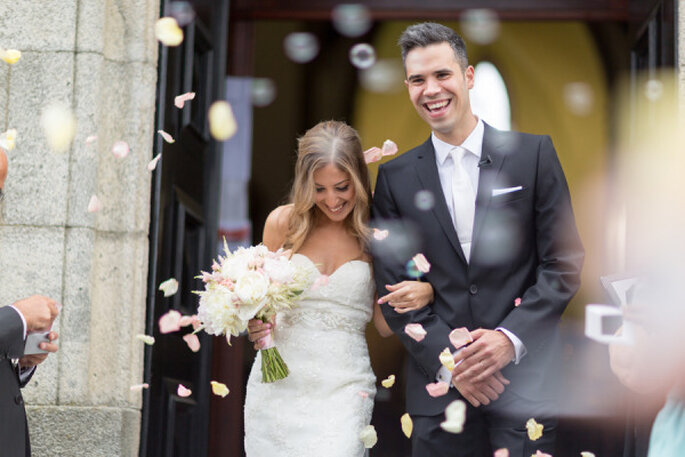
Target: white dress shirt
{"points": [[443, 157]]}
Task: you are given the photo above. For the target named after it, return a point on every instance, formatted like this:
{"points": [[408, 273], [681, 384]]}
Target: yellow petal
{"points": [[11, 56], [447, 359], [168, 138], [147, 339], [59, 127], [8, 139], [219, 388], [587, 454], [534, 429], [168, 32], [368, 436], [222, 124], [407, 425], [388, 382]]}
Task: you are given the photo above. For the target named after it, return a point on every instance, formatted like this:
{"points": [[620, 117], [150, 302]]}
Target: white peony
{"points": [[234, 266], [251, 288], [216, 311], [279, 269]]}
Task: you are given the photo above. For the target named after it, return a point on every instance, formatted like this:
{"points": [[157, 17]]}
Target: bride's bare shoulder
{"points": [[276, 226]]}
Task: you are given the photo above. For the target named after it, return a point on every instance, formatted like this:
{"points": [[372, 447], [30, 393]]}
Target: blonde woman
{"points": [[327, 399]]}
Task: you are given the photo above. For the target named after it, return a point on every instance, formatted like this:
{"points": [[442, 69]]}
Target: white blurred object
{"points": [[489, 96], [351, 19], [596, 318], [301, 47], [480, 25], [362, 55]]}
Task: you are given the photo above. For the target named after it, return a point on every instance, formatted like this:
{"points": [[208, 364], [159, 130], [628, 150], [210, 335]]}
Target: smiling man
{"points": [[505, 259]]}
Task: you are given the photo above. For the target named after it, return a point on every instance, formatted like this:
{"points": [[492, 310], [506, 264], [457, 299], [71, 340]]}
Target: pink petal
{"points": [[94, 204], [437, 389], [192, 341], [185, 321], [91, 139], [139, 387], [169, 322], [321, 281], [389, 148], [380, 235], [460, 337], [168, 138], [363, 394], [539, 453], [152, 164], [180, 100], [415, 331], [421, 263], [182, 391], [504, 452], [372, 155], [120, 149], [517, 301]]}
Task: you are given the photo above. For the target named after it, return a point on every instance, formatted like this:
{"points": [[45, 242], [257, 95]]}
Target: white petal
{"points": [[180, 100], [460, 337], [147, 339], [168, 138], [368, 436], [139, 387], [152, 164], [94, 204], [120, 149], [59, 126], [169, 287]]}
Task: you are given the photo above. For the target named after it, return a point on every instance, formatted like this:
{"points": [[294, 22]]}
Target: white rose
{"points": [[251, 288], [279, 270], [234, 266]]}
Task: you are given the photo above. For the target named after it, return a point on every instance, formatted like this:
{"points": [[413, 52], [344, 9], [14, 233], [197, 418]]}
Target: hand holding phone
{"points": [[33, 341]]}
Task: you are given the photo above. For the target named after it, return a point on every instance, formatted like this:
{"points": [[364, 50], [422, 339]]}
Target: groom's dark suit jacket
{"points": [[525, 245], [14, 437]]}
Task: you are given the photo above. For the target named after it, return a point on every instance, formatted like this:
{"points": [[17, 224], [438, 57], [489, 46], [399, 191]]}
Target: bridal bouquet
{"points": [[250, 283]]}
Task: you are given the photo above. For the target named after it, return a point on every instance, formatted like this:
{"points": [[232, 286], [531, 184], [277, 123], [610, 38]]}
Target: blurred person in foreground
{"points": [[32, 314]]}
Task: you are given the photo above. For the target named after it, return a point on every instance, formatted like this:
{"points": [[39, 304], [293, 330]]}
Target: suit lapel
{"points": [[492, 151], [427, 170]]}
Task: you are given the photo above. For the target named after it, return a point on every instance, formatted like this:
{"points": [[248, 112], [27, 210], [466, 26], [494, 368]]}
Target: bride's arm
{"points": [[408, 295], [379, 321]]}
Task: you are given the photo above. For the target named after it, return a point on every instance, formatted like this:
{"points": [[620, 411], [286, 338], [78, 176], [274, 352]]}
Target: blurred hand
{"points": [[32, 360], [38, 311], [256, 330], [481, 392], [408, 296]]}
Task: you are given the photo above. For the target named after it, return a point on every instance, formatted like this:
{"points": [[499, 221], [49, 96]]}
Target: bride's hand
{"points": [[256, 330], [408, 295]]}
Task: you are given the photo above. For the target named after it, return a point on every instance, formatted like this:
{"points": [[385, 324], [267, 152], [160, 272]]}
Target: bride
{"points": [[327, 399]]}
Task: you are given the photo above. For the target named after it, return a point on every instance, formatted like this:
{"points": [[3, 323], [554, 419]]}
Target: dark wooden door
{"points": [[183, 228]]}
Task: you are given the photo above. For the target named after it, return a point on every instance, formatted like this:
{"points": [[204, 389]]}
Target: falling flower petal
{"points": [[168, 138], [168, 32], [363, 394], [455, 415], [380, 235], [59, 126], [388, 382], [389, 148], [321, 281], [415, 331], [188, 320], [91, 139], [183, 391], [152, 164], [219, 388], [169, 322], [372, 155], [539, 453], [222, 123], [139, 387], [94, 204], [147, 339], [11, 56], [517, 301], [447, 359], [169, 287], [587, 454], [120, 149], [407, 425], [460, 337], [437, 389], [421, 263], [368, 436], [503, 452], [180, 100], [8, 139], [192, 341], [534, 429]]}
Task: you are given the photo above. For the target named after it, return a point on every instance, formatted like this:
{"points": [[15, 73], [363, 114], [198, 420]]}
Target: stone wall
{"points": [[100, 58]]}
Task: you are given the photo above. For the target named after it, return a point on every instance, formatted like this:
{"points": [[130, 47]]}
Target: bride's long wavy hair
{"points": [[328, 142]]}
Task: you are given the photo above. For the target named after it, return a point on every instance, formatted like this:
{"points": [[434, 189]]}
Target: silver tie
{"points": [[464, 200]]}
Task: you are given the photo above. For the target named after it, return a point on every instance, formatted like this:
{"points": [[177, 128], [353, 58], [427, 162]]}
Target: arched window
{"points": [[489, 96]]}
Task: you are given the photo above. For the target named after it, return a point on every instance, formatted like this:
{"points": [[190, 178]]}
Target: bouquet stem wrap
{"points": [[273, 365]]}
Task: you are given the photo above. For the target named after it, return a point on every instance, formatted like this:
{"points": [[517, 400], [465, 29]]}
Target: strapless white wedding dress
{"points": [[327, 398]]}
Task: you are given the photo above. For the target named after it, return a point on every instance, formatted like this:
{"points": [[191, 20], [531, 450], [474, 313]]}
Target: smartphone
{"points": [[602, 322], [32, 342]]}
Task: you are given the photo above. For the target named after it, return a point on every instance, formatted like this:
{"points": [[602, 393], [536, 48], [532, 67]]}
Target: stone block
{"points": [[4, 86], [37, 183], [48, 25], [61, 431]]}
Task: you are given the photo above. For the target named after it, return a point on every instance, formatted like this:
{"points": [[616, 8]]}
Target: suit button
{"points": [[473, 289], [18, 400]]}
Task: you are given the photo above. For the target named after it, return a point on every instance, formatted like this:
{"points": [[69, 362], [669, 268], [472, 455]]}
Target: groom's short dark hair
{"points": [[427, 33]]}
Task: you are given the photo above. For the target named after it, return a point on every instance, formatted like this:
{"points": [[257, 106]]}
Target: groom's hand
{"points": [[490, 351], [483, 392]]}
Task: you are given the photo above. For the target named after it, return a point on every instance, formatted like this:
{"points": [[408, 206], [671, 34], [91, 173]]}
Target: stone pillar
{"points": [[100, 58], [680, 64]]}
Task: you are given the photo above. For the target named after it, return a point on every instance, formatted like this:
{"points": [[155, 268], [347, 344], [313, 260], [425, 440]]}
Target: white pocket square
{"points": [[506, 190]]}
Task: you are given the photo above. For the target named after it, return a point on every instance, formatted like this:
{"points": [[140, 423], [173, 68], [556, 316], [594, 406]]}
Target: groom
{"points": [[505, 259]]}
